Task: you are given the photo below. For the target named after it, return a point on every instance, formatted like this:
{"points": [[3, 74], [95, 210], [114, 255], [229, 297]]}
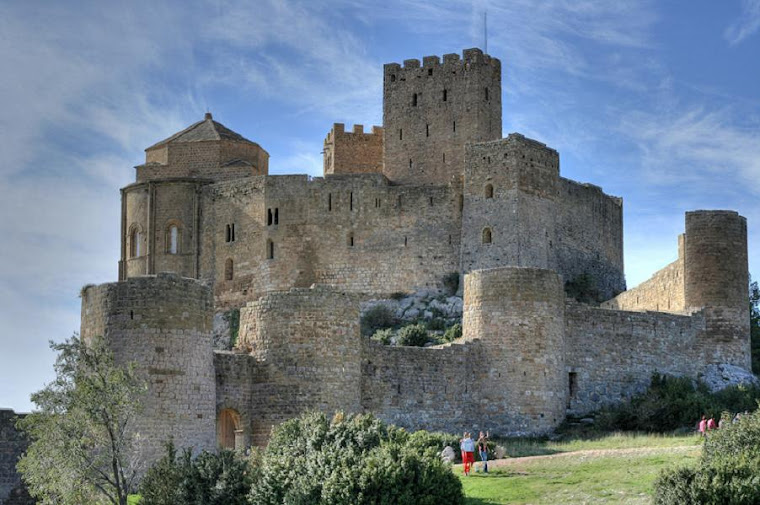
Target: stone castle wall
{"points": [[12, 446], [357, 232], [353, 152], [518, 211], [431, 110], [163, 324]]}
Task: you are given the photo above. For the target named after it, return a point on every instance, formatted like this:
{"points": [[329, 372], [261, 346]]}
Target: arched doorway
{"points": [[229, 432]]}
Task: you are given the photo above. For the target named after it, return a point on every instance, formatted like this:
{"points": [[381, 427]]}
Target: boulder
{"points": [[718, 377], [448, 455]]}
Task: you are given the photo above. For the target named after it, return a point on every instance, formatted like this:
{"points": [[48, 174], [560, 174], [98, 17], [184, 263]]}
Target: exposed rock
{"points": [[499, 452], [448, 455], [718, 377], [221, 332]]}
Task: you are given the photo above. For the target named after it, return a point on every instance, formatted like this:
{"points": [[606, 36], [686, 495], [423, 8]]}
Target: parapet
{"points": [[354, 152], [450, 62]]}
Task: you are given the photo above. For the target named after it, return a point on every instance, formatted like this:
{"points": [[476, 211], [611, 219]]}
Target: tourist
{"points": [[468, 449], [483, 450], [703, 426], [711, 423]]}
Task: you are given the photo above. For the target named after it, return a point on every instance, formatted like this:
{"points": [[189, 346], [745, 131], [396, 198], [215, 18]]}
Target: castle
{"points": [[206, 231]]}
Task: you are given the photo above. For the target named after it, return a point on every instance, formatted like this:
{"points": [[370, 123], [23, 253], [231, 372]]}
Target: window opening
{"points": [[427, 130], [228, 269], [414, 100], [329, 202], [172, 236], [487, 236], [276, 215], [455, 126], [270, 217], [431, 201], [410, 162], [444, 157], [430, 71], [572, 380], [489, 191], [445, 93], [486, 94], [351, 200], [270, 250], [401, 134], [406, 241], [393, 77], [135, 243], [350, 240]]}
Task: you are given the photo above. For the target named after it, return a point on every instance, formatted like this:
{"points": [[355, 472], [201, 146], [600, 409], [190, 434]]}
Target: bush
{"points": [[351, 460], [223, 478], [453, 332], [383, 336], [436, 324], [671, 403], [413, 335], [728, 473], [377, 318]]}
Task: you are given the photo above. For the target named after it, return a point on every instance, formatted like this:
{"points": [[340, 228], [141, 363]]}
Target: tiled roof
{"points": [[208, 129]]}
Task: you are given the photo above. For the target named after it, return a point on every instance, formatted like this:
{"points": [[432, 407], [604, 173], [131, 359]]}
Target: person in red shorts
{"points": [[467, 445]]}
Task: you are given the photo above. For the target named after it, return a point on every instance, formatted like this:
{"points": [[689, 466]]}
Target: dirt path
{"points": [[588, 453]]}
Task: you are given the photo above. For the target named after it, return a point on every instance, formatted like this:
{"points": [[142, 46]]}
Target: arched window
{"points": [[135, 242], [229, 430], [173, 235], [487, 235], [228, 269], [489, 191]]}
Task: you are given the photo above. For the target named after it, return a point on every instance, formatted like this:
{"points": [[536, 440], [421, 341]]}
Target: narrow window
{"points": [[329, 202], [228, 236], [228, 273], [270, 217], [172, 239], [431, 201], [401, 134], [455, 126], [486, 94], [445, 95], [572, 380], [350, 240], [427, 130], [430, 71], [489, 191], [410, 162], [270, 250], [393, 77], [449, 239], [135, 243], [405, 241], [232, 228], [399, 201], [351, 200], [461, 203], [276, 215], [444, 157], [487, 236], [414, 100]]}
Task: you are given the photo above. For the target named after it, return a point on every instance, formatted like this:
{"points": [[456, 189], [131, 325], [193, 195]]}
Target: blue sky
{"points": [[657, 102]]}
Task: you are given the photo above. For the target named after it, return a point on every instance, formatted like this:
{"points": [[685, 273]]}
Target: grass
{"points": [[621, 469]]}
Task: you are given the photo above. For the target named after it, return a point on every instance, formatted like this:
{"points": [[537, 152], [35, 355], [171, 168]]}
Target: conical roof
{"points": [[205, 130]]}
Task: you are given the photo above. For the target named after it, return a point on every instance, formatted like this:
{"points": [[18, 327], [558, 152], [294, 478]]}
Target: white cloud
{"points": [[747, 24]]}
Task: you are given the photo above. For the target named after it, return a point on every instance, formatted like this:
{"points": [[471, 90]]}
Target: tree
{"points": [[81, 436], [754, 324]]}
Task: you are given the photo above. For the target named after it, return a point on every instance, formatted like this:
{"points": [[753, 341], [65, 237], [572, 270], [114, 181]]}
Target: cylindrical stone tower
{"points": [[716, 277], [163, 324], [308, 344], [518, 315]]}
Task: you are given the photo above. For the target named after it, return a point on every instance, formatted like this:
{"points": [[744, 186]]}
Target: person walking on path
{"points": [[711, 423], [468, 449], [483, 450], [703, 426]]}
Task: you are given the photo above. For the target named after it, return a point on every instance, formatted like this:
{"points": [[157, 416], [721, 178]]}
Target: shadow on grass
{"points": [[479, 501]]}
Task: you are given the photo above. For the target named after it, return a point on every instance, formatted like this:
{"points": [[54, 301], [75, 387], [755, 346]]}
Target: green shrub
{"points": [[671, 403], [453, 332], [351, 460], [384, 336], [222, 478], [451, 283], [413, 335], [436, 324], [377, 318]]}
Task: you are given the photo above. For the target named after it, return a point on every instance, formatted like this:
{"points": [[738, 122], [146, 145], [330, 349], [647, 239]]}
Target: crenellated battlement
{"points": [[451, 61]]}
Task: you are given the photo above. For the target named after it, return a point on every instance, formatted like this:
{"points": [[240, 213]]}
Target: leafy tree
{"points": [[81, 438], [754, 324]]}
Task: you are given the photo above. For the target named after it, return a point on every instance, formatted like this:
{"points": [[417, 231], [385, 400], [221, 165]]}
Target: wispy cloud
{"points": [[747, 24]]}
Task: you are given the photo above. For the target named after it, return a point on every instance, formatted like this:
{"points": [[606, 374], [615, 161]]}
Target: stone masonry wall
{"points": [[423, 388], [431, 110], [663, 292], [353, 152], [518, 315], [12, 446], [307, 346], [163, 324], [353, 231]]}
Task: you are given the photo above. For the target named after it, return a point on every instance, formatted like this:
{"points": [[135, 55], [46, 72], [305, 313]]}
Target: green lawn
{"points": [[624, 476]]}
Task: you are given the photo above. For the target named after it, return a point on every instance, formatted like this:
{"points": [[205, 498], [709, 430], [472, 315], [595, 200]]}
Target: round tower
{"points": [[163, 324], [518, 315], [716, 278], [309, 346]]}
